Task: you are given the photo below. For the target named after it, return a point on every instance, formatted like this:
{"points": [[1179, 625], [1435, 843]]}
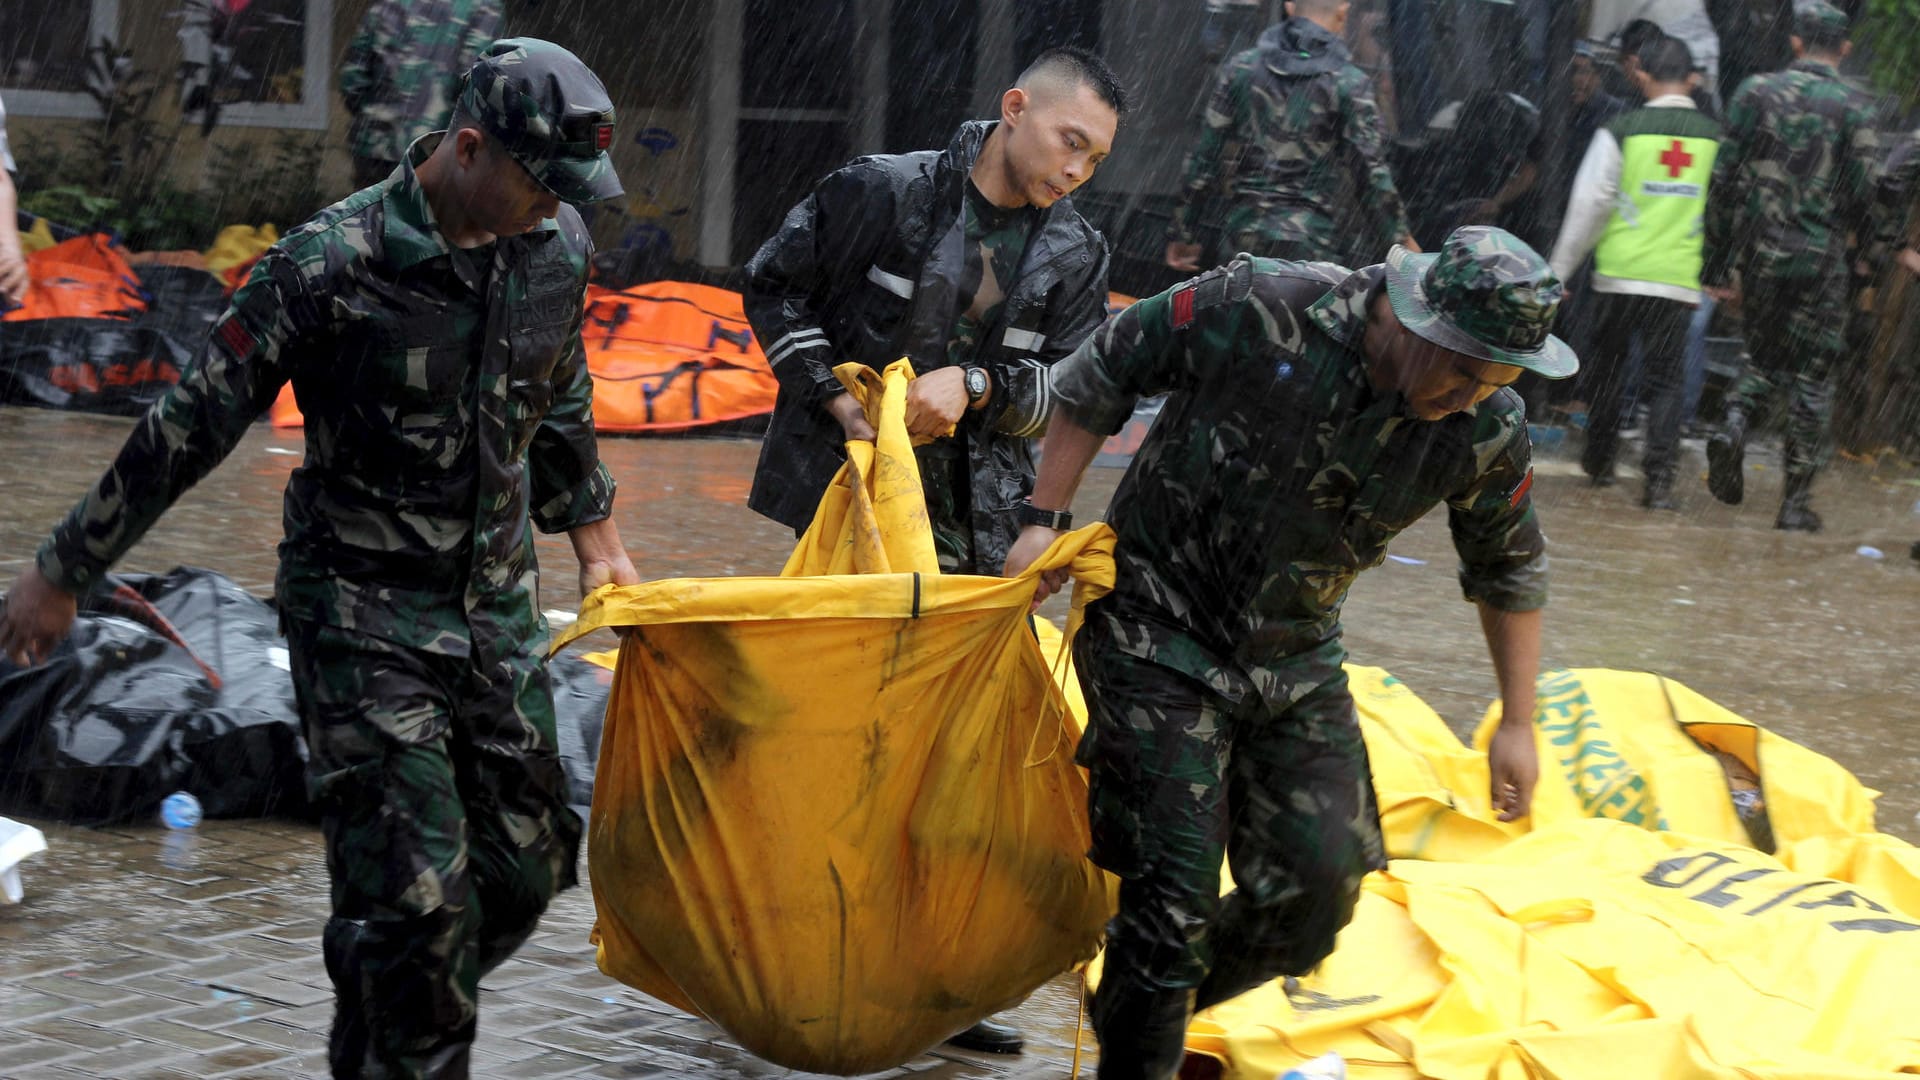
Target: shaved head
{"points": [[1059, 72]]}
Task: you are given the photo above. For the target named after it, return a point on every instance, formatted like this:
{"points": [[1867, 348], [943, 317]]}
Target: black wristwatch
{"points": [[976, 385], [1028, 514]]}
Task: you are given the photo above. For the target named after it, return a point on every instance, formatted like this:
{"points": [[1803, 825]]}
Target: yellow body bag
{"points": [[837, 814]]}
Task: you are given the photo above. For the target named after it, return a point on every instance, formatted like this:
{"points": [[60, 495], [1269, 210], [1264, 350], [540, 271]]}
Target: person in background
{"points": [[1637, 204], [402, 71], [1291, 128], [1794, 179]]}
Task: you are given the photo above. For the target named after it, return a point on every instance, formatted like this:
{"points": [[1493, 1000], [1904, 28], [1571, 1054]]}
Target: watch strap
{"points": [[1028, 514]]}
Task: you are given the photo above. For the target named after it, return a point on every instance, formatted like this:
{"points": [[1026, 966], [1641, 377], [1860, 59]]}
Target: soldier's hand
{"points": [[1513, 765], [35, 618], [1725, 294], [1410, 243], [1033, 542], [13, 275], [852, 416], [1183, 256], [1910, 259], [936, 401]]}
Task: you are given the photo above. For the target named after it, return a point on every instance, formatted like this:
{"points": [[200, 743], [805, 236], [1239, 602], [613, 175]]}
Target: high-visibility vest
{"points": [[1666, 160]]}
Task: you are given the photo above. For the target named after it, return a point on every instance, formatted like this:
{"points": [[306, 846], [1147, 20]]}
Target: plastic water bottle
{"points": [[180, 810], [1328, 1066]]}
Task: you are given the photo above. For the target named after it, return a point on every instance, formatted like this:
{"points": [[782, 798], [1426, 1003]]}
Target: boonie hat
{"points": [[1486, 294], [550, 112]]}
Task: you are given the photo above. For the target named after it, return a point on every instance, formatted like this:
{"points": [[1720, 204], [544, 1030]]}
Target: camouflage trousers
{"points": [[945, 478], [444, 809], [1180, 777], [1279, 233], [1795, 332]]}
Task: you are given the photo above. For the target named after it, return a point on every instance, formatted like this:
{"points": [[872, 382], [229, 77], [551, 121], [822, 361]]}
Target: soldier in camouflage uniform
{"points": [[1792, 183], [402, 71], [430, 326], [1291, 122], [1314, 413]]}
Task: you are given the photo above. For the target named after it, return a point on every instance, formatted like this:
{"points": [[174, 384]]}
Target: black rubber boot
{"points": [[1796, 511], [1726, 459], [1658, 494], [987, 1037]]}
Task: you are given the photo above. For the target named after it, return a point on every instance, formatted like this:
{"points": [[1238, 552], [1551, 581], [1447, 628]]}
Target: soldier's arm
{"points": [[1220, 123], [567, 484], [1726, 193], [1020, 389], [828, 241], [1503, 556], [190, 429], [1895, 191], [1858, 172], [1360, 130]]}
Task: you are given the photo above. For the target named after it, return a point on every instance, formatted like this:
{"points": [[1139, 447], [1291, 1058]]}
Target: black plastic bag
{"points": [[122, 715]]}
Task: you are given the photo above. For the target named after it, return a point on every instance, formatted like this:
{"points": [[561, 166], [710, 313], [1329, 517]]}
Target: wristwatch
{"points": [[976, 385], [1028, 514]]}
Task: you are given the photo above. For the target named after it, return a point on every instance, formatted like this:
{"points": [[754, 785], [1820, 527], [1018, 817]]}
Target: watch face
{"points": [[976, 382]]}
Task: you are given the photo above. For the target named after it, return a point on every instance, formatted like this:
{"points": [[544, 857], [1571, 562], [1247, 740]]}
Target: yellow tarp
{"points": [[238, 244], [838, 814], [1605, 943]]}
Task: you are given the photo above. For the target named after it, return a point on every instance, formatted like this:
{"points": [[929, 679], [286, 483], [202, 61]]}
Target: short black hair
{"points": [[1667, 60], [1084, 68], [1820, 39], [1637, 35]]}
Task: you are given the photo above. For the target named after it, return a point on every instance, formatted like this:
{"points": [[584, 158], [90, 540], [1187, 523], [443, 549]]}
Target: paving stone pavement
{"points": [[151, 954]]}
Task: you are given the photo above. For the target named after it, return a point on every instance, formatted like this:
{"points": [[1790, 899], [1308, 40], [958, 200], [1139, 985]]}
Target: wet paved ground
{"points": [[142, 953]]}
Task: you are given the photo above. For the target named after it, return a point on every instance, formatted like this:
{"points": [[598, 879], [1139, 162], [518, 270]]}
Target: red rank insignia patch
{"points": [[1183, 308], [1520, 489], [235, 337], [602, 136]]}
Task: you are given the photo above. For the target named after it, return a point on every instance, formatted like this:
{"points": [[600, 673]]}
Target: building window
{"points": [[43, 53], [267, 61]]}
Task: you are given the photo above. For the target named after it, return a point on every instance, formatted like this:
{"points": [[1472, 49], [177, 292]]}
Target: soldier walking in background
{"points": [[402, 71], [1291, 130], [1794, 178], [430, 326]]}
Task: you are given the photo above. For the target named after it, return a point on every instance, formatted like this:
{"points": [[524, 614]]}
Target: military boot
{"points": [[1658, 493], [1726, 459], [1796, 511]]}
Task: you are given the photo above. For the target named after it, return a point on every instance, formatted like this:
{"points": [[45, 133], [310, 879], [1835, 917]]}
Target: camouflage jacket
{"points": [[446, 399], [867, 268], [1290, 122], [1275, 473], [403, 69], [1794, 177]]}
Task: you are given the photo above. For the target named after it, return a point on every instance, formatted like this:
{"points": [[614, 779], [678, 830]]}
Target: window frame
{"points": [[316, 87], [103, 21]]}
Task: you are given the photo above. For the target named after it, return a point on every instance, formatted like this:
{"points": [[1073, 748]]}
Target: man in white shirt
{"points": [[1637, 204]]}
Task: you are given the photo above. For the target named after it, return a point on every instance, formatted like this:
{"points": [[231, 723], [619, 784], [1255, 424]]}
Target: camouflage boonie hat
{"points": [[1817, 20], [549, 112], [1485, 294]]}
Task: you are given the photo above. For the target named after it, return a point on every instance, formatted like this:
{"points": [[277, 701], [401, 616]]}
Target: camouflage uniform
{"points": [[447, 404], [1291, 123], [1219, 716], [402, 71], [1793, 179]]}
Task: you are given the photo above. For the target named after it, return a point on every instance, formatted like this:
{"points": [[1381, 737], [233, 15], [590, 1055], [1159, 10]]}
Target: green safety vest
{"points": [[1666, 159]]}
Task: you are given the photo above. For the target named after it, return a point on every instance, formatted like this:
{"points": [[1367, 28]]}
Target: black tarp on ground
{"points": [[121, 716], [117, 366]]}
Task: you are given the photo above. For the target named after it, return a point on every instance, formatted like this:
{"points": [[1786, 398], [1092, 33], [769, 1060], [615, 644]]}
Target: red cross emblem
{"points": [[1675, 158]]}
